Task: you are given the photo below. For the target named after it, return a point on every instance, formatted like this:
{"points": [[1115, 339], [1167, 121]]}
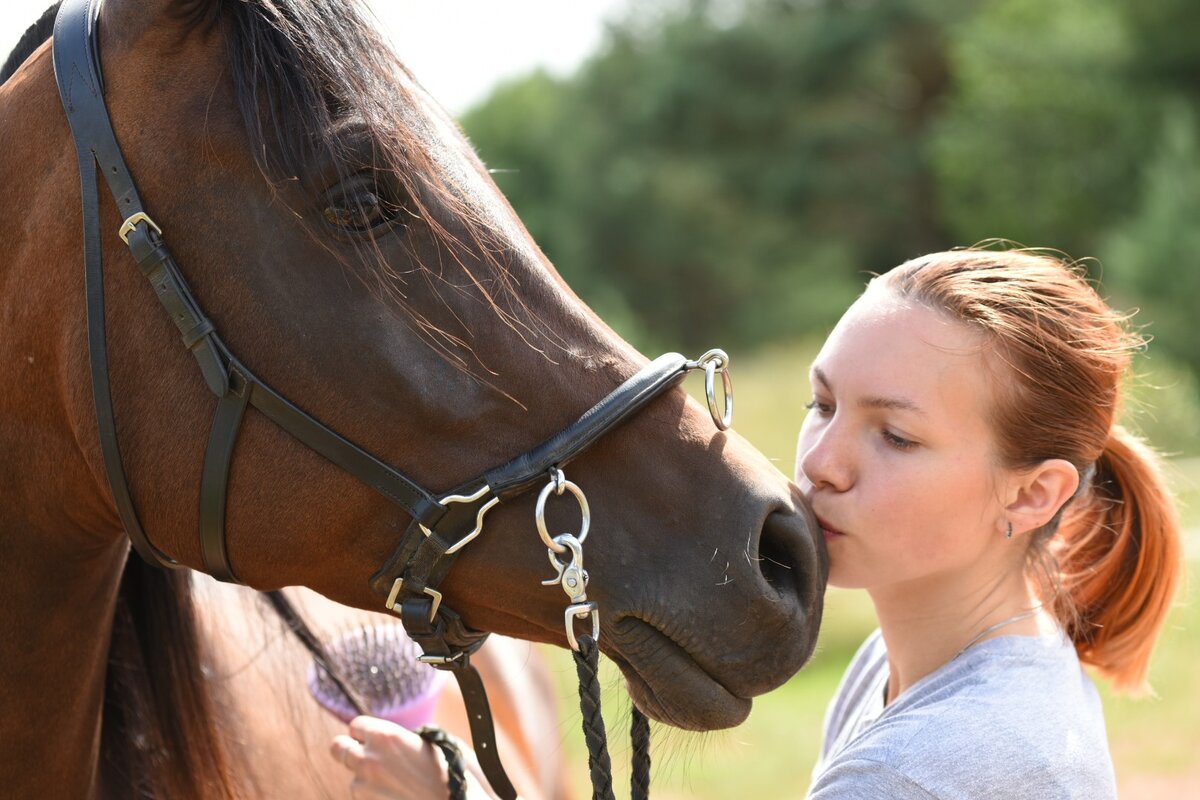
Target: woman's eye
{"points": [[898, 442], [819, 407]]}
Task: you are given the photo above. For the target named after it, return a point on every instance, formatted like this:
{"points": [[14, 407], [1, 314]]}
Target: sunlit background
{"points": [[728, 173]]}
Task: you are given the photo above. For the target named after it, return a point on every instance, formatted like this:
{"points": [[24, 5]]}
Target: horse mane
{"points": [[32, 39], [303, 68], [159, 736]]}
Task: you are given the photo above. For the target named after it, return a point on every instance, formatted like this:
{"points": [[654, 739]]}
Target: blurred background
{"points": [[730, 172]]}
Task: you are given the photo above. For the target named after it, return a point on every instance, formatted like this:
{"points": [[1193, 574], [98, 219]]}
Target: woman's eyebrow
{"points": [[872, 401]]}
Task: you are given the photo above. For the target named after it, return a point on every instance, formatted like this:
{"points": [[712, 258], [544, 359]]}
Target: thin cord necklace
{"points": [[998, 626]]}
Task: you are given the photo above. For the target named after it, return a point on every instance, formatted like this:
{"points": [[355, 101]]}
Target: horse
{"points": [[339, 231]]}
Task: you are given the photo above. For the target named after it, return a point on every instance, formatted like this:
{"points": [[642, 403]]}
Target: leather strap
{"points": [[434, 634], [214, 481], [483, 736], [389, 482], [527, 470], [77, 84], [199, 336]]}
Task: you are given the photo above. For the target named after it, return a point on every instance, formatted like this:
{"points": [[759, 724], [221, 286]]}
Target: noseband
{"points": [[441, 523]]}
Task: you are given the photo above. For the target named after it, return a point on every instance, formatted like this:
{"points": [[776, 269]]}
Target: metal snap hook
{"points": [[583, 610], [569, 574], [558, 486]]}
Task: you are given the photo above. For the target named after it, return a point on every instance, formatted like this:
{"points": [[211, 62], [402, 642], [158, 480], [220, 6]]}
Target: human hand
{"points": [[391, 762]]}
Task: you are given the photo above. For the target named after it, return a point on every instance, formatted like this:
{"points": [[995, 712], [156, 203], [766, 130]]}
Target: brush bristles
{"points": [[380, 663]]}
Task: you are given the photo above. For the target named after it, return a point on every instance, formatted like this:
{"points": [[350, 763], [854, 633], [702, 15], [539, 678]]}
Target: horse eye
{"points": [[360, 205]]}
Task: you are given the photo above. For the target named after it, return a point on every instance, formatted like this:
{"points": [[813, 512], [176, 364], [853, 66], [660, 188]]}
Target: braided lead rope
{"points": [[587, 667], [573, 579], [456, 778], [639, 778], [599, 764]]}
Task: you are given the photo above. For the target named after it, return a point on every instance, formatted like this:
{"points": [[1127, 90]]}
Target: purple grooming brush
{"points": [[379, 662]]}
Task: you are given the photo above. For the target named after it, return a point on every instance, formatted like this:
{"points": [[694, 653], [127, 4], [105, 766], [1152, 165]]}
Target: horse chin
{"points": [[669, 686]]}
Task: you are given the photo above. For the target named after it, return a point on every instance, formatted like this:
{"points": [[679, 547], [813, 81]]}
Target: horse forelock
{"points": [[301, 70]]}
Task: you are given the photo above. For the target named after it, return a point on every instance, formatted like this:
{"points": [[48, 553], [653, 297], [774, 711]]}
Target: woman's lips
{"points": [[830, 532]]}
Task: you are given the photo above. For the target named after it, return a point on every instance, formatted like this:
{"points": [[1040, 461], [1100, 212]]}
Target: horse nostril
{"points": [[786, 557], [774, 560]]}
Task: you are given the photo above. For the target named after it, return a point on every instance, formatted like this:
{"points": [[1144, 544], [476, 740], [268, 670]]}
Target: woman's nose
{"points": [[824, 460]]}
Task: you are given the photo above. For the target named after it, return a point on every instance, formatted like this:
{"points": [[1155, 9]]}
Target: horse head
{"points": [[350, 248]]}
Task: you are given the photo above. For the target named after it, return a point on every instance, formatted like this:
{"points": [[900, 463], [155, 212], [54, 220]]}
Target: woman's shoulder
{"points": [[1009, 719]]}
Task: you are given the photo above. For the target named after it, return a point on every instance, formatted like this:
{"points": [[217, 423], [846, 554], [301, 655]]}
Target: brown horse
{"points": [[348, 245]]}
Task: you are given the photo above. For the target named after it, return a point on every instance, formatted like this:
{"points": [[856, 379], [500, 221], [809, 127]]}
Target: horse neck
{"points": [[55, 633], [61, 548]]}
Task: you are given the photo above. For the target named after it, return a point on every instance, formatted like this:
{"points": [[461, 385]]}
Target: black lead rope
{"points": [[587, 659], [456, 777], [639, 778]]}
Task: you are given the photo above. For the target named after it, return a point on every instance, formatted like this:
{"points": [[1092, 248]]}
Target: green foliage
{"points": [[729, 171], [1041, 139], [1154, 259]]}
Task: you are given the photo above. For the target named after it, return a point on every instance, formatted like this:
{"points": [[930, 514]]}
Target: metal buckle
{"points": [[582, 610], [424, 659], [390, 605], [128, 226], [460, 498]]}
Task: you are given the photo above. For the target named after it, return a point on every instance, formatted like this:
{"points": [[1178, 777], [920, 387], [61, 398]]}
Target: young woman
{"points": [[963, 454]]}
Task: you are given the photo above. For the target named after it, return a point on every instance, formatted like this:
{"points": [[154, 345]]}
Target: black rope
{"points": [[639, 733], [587, 666], [456, 771]]}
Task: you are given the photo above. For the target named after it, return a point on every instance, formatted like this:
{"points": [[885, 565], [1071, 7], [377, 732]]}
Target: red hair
{"points": [[1112, 555]]}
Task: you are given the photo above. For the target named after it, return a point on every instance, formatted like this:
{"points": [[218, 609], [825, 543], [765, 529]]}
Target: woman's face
{"points": [[896, 453]]}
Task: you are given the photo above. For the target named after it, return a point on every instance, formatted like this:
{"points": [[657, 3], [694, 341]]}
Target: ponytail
{"points": [[1119, 559]]}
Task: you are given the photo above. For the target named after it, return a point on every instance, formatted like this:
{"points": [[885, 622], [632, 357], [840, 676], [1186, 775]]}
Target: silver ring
{"points": [[540, 513], [722, 421]]}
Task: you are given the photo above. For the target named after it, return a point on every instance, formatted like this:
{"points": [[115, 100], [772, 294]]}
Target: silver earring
{"points": [[1008, 533]]}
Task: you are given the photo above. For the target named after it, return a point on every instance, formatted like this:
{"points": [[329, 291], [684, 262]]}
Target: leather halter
{"points": [[440, 524]]}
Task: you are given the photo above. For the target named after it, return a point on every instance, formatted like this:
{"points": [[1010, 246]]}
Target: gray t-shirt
{"points": [[1012, 718]]}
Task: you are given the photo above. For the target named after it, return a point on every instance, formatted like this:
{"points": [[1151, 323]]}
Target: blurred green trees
{"points": [[731, 172]]}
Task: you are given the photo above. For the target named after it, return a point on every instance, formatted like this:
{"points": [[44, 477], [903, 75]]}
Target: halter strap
{"points": [[77, 69]]}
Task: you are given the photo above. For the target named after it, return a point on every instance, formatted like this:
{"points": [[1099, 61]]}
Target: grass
{"points": [[1154, 741]]}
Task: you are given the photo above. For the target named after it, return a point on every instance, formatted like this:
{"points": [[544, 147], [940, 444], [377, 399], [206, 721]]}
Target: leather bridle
{"points": [[441, 523]]}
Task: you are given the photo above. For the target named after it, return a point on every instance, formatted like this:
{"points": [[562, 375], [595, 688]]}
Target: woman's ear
{"points": [[1040, 493]]}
